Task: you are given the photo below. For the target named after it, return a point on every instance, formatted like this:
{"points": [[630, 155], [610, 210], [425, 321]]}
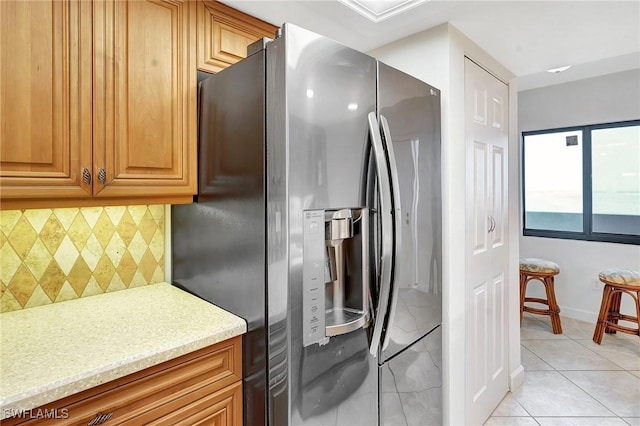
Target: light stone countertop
{"points": [[53, 351]]}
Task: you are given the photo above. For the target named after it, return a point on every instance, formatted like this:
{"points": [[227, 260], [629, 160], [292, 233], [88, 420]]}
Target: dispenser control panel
{"points": [[313, 282]]}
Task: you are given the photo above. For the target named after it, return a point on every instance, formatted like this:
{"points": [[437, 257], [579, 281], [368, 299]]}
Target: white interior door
{"points": [[486, 137]]}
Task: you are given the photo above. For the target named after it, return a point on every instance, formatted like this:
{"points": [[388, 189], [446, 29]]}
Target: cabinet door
{"points": [[144, 112], [487, 285], [224, 34], [45, 98]]}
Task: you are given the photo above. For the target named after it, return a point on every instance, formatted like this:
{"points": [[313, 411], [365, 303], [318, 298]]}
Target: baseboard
{"points": [[516, 378], [579, 314]]}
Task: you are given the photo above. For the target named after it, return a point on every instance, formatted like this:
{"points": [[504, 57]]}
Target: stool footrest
{"points": [[538, 311], [536, 300], [618, 327], [616, 316]]}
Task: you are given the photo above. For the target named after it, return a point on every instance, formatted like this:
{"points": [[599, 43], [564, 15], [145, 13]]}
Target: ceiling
{"points": [[527, 37]]}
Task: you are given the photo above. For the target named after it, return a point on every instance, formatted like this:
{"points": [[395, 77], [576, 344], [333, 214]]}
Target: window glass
{"points": [[616, 180], [553, 181]]}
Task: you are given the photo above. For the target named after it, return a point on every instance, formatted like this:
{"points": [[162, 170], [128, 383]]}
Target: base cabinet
{"points": [[203, 387]]}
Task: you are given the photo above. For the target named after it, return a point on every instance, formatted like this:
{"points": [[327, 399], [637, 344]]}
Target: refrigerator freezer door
{"points": [[319, 93], [411, 384], [412, 110]]}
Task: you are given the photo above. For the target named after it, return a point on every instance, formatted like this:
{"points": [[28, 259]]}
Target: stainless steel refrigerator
{"points": [[318, 220]]}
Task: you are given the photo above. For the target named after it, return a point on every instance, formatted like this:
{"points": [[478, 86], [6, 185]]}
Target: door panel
{"points": [[411, 384], [412, 109], [480, 336], [486, 140], [45, 93], [481, 196], [499, 205], [144, 116], [497, 352]]}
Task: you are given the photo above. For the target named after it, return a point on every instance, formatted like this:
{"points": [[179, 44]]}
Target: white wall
{"points": [[436, 56], [614, 97]]}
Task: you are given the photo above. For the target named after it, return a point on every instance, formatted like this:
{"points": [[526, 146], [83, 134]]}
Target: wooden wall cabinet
{"points": [[45, 99], [97, 101], [224, 34], [204, 387]]}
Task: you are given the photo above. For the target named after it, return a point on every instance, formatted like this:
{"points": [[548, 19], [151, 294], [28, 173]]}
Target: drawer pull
{"points": [[100, 418]]}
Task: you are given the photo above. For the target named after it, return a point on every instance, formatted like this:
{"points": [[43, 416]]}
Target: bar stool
{"points": [[543, 271], [616, 282]]}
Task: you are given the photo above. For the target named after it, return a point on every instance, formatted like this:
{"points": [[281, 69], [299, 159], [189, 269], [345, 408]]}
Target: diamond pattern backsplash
{"points": [[52, 255]]}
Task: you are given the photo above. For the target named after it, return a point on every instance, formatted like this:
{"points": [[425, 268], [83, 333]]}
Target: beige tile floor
{"points": [[571, 381]]}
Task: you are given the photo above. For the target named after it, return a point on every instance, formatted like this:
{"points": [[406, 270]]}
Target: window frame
{"points": [[587, 233]]}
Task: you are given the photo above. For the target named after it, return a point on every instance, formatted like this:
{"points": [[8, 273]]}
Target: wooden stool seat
{"points": [[543, 271], [616, 282]]}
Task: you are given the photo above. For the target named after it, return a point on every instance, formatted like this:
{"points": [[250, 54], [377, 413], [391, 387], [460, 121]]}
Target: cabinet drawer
{"points": [[165, 388], [206, 406]]}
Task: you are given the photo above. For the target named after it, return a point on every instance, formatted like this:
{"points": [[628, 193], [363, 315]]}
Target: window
{"points": [[583, 182]]}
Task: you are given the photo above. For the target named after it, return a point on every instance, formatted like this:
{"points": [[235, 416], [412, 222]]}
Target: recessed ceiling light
{"points": [[352, 106], [559, 69], [380, 10]]}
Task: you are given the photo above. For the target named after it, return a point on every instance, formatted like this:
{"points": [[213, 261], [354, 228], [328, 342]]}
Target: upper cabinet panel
{"points": [[45, 138], [144, 115], [98, 99], [224, 34]]}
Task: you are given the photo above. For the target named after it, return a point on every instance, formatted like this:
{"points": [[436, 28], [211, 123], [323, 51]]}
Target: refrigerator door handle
{"points": [[397, 225], [386, 226]]}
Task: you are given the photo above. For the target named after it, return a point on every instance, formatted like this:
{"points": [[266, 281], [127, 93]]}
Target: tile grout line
{"points": [[561, 372], [584, 390]]}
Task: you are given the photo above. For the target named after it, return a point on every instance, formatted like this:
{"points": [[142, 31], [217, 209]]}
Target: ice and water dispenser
{"points": [[335, 273]]}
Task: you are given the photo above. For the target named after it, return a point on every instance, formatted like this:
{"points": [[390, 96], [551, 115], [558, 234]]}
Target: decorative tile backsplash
{"points": [[52, 255]]}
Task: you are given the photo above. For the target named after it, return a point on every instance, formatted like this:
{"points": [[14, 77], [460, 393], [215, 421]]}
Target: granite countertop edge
{"points": [[209, 325]]}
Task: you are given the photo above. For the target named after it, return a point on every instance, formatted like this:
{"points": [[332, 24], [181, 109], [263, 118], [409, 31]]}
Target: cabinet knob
{"points": [[102, 176], [86, 176]]}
